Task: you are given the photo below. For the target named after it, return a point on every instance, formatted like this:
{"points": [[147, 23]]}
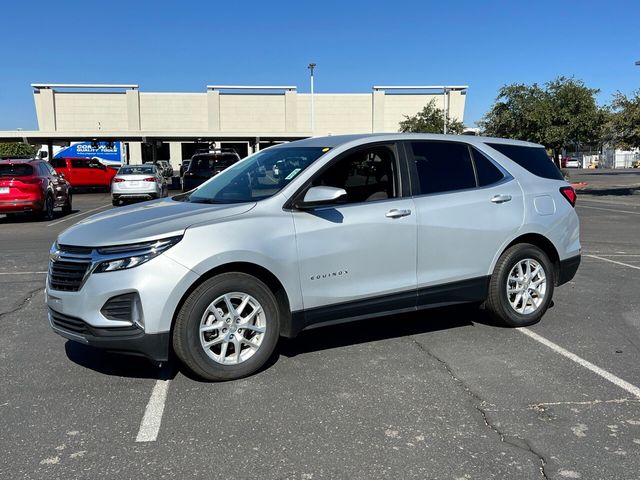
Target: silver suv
{"points": [[351, 227]]}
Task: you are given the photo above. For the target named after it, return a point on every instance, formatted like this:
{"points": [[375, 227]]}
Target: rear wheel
{"points": [[47, 208], [67, 208], [227, 328], [521, 286]]}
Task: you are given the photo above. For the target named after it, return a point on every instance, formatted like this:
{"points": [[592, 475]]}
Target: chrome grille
{"points": [[68, 268]]}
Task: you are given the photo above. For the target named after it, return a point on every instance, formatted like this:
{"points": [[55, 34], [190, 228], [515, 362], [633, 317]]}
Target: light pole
{"points": [[445, 112], [311, 67]]}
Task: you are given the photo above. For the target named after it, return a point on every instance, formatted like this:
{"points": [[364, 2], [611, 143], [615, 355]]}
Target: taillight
{"points": [[118, 180], [30, 180], [149, 179], [570, 194]]}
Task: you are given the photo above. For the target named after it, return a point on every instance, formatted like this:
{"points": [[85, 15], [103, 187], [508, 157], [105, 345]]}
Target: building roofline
{"points": [[421, 87]]}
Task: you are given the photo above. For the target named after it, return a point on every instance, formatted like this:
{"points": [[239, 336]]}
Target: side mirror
{"points": [[61, 175], [322, 196]]}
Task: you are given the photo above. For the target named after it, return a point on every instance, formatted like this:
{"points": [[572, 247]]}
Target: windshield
{"points": [[256, 177], [138, 170]]}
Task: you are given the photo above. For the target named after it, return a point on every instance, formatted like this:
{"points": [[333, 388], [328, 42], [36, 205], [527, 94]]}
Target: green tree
{"points": [[623, 127], [17, 150], [430, 120], [560, 114]]}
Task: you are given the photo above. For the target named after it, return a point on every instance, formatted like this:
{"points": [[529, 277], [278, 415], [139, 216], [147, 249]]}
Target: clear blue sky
{"points": [[183, 46]]}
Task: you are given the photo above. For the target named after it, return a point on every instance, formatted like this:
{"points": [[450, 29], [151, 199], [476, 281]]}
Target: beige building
{"points": [[172, 126]]}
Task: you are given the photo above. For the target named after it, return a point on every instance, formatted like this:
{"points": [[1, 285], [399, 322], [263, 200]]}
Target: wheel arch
{"points": [[255, 270], [544, 244]]}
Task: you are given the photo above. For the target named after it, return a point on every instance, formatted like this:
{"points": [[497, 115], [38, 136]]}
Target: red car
{"points": [[84, 172], [32, 186]]}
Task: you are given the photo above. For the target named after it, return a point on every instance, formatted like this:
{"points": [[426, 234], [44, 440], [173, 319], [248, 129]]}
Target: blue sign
{"points": [[108, 152]]}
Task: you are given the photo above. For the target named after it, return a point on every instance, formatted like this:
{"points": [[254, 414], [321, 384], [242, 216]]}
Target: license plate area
{"points": [[4, 189]]}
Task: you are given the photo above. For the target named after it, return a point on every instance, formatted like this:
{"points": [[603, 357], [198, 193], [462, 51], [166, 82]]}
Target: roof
{"points": [[338, 140], [18, 160]]}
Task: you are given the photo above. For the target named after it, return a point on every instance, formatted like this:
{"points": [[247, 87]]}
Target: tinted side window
{"points": [[59, 163], [50, 169], [443, 166], [534, 159], [366, 175], [487, 172], [79, 164]]}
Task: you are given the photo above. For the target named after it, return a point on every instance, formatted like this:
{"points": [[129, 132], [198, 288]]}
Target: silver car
{"points": [[360, 226], [138, 182]]}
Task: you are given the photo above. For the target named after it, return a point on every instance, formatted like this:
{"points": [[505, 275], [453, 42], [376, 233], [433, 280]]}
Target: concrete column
{"points": [[378, 111], [47, 119], [213, 110], [135, 153], [175, 155], [133, 109], [290, 111]]}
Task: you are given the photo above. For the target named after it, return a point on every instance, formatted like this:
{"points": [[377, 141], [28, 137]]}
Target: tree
{"points": [[430, 120], [17, 150], [623, 127], [563, 113]]}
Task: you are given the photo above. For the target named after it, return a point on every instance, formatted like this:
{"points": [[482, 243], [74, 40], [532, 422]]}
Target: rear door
{"points": [[467, 206], [361, 255], [80, 175]]}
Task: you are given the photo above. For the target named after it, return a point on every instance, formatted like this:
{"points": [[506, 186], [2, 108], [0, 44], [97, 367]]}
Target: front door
{"points": [[359, 256]]}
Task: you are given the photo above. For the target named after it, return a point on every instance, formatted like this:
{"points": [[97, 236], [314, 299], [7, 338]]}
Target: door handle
{"points": [[500, 198], [395, 213]]}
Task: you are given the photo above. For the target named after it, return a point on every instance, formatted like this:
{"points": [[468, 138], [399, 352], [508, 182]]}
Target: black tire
{"points": [[498, 304], [67, 207], [47, 208], [186, 332], [115, 203]]}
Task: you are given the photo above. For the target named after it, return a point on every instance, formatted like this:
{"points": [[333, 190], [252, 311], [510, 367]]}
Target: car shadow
{"points": [[118, 364], [372, 330], [314, 340]]}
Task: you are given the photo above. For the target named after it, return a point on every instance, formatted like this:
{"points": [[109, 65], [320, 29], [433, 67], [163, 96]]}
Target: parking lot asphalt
{"points": [[442, 393]]}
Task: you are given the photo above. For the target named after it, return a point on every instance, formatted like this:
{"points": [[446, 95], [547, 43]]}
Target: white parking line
{"points": [[613, 261], [150, 425], [71, 217], [608, 209], [632, 389], [21, 273]]}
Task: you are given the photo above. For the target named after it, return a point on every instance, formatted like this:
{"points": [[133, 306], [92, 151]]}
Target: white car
{"points": [[363, 226], [139, 182]]}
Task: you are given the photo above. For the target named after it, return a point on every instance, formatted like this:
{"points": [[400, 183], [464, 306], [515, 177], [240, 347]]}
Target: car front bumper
{"points": [[158, 285], [132, 340]]}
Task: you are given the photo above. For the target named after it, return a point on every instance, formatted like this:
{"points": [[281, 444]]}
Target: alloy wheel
{"points": [[232, 328], [526, 286]]}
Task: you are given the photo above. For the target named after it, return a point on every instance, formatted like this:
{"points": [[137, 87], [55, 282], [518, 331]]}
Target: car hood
{"points": [[146, 221]]}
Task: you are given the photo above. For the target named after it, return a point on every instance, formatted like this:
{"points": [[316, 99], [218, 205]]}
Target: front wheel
{"points": [[521, 286], [227, 328]]}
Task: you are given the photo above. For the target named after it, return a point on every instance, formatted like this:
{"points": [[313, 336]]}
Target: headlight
{"points": [[129, 256]]}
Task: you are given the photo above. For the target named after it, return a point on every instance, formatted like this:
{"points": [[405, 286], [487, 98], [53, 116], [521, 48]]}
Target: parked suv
{"points": [[84, 172], [364, 225], [32, 186], [203, 166]]}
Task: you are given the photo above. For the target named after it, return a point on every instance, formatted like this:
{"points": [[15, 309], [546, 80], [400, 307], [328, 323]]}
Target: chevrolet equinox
{"points": [[349, 227]]}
